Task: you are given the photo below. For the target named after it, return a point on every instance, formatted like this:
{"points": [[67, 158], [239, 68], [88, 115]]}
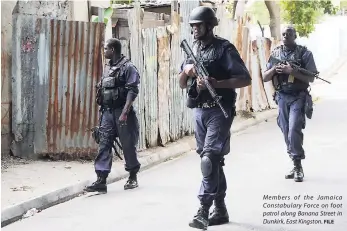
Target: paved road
{"points": [[166, 199]]}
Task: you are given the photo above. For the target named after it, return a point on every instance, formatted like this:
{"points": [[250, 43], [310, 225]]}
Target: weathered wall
{"points": [[60, 86], [47, 9], [148, 20], [161, 104], [56, 65], [79, 10], [6, 60]]}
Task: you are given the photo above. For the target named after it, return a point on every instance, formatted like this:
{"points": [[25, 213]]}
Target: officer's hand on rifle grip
{"points": [[189, 70], [200, 84], [284, 68]]}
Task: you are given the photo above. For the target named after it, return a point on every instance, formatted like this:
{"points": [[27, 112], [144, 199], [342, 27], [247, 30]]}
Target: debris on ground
{"points": [[21, 188], [8, 161], [31, 212]]}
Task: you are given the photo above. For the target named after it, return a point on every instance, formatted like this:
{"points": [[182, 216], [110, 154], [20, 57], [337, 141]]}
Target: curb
{"points": [[148, 159]]}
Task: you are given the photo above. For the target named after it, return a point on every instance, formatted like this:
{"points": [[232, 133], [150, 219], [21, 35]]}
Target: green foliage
{"points": [[107, 15], [305, 14], [230, 7], [258, 11]]}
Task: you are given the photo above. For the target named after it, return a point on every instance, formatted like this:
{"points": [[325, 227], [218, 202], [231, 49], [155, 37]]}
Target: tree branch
{"points": [[275, 20], [261, 28]]}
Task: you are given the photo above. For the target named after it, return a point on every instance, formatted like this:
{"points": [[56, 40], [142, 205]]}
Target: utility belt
{"points": [[208, 104], [308, 108], [293, 93]]}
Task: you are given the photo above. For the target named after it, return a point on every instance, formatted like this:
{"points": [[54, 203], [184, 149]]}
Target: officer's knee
{"points": [[206, 166], [295, 125]]}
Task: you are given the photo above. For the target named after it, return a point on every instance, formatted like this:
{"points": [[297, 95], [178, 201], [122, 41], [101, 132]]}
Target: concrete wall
{"points": [[79, 11], [48, 9], [6, 60], [63, 10]]}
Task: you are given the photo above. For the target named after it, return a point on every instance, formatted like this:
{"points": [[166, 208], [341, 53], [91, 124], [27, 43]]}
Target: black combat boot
{"points": [[200, 220], [132, 182], [99, 185], [290, 175], [298, 172], [219, 215]]}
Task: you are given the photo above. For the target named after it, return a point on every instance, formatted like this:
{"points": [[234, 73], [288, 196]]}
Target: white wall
{"points": [[80, 11]]}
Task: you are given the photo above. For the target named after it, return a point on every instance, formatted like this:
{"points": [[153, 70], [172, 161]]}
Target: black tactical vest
{"points": [[211, 56], [112, 92], [286, 83]]}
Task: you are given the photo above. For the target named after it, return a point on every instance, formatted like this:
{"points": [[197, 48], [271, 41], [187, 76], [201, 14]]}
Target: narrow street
{"points": [[166, 199]]}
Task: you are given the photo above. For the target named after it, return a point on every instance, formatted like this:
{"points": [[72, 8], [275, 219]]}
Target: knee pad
{"points": [[206, 166]]}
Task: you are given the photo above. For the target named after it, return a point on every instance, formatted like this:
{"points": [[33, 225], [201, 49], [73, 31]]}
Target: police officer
{"points": [[212, 130], [292, 95], [117, 91]]}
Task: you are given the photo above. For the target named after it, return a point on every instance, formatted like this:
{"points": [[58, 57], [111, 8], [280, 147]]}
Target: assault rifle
{"points": [[96, 130], [202, 72], [275, 61], [96, 136]]}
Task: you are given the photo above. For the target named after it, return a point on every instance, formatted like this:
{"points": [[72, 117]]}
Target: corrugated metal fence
{"points": [[161, 104], [57, 63], [55, 66]]}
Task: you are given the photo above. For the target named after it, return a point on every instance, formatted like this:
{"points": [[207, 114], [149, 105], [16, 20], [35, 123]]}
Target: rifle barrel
{"points": [[300, 69]]}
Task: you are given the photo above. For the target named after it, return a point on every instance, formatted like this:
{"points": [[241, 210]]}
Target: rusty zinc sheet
{"points": [[150, 82], [56, 65], [163, 40], [264, 50], [186, 7], [175, 100], [243, 45], [259, 97], [136, 53]]}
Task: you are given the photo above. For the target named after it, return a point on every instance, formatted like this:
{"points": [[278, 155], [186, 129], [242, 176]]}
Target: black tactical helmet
{"points": [[203, 14]]}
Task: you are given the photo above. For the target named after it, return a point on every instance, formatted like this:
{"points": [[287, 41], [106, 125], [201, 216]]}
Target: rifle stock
{"points": [[202, 72]]}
